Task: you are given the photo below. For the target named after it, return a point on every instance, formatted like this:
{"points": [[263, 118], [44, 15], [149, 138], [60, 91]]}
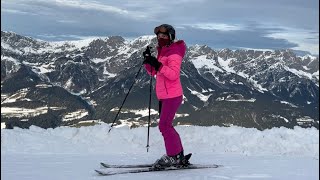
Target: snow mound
{"points": [[196, 139]]}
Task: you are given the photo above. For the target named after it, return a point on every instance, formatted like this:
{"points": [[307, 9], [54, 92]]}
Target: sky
{"points": [[233, 24]]}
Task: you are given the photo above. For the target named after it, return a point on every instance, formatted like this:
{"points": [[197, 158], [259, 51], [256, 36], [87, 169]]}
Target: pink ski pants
{"points": [[171, 137]]}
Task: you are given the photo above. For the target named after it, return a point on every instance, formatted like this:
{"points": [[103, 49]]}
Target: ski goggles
{"points": [[160, 29]]}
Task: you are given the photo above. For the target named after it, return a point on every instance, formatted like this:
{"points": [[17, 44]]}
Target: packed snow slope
{"points": [[74, 153]]}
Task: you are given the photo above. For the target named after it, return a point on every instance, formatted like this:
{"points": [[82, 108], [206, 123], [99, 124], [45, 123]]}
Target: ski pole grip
{"points": [[147, 52]]}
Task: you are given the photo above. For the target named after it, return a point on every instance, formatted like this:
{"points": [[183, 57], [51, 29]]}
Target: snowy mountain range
{"points": [[52, 84]]}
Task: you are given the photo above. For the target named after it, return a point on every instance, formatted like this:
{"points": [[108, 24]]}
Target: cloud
{"points": [[304, 39], [67, 21], [51, 7], [95, 6], [216, 26], [247, 23], [15, 11], [253, 37]]}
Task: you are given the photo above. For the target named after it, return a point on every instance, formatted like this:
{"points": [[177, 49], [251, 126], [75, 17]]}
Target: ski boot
{"points": [[165, 161]]}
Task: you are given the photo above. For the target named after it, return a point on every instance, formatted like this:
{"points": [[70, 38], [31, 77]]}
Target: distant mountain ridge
{"points": [[54, 84]]}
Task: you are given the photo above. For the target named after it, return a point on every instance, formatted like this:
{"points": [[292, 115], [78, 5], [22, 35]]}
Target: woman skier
{"points": [[169, 91]]}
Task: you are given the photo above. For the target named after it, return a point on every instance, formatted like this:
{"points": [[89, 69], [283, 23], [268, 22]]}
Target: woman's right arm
{"points": [[150, 69]]}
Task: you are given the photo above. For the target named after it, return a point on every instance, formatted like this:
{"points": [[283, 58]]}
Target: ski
{"points": [[105, 165], [125, 165], [142, 170]]}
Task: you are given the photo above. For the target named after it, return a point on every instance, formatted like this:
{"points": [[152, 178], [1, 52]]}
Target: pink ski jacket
{"points": [[168, 83]]}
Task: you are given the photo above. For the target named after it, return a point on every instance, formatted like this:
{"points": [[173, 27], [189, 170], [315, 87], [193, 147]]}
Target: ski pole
{"points": [[149, 112], [148, 52], [125, 98]]}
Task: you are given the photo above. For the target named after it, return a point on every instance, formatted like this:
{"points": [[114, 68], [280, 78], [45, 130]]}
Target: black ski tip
{"points": [[188, 156], [104, 165], [99, 172]]}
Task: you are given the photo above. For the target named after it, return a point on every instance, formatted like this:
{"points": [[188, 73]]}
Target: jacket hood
{"points": [[176, 47]]}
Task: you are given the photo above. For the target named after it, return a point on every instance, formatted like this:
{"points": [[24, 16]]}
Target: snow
{"points": [[278, 116], [46, 68], [3, 126], [68, 84], [290, 104], [299, 73], [8, 47], [241, 100], [144, 112], [202, 97], [111, 75], [25, 112], [140, 113], [8, 58], [77, 44], [19, 95], [309, 56], [126, 51], [75, 115], [235, 100], [316, 75], [202, 61], [255, 49], [99, 60], [225, 64], [43, 85], [305, 119], [245, 153], [147, 38]]}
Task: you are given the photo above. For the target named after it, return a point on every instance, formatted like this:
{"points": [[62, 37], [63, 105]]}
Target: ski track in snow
{"points": [[73, 153]]}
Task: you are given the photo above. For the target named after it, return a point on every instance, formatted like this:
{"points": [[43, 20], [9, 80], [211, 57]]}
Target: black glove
{"points": [[148, 59], [154, 63], [147, 55]]}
